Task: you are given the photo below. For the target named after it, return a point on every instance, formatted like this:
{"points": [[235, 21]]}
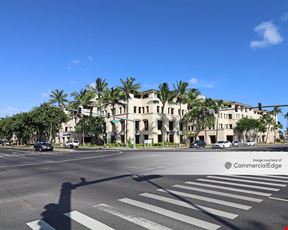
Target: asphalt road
{"points": [[111, 189]]}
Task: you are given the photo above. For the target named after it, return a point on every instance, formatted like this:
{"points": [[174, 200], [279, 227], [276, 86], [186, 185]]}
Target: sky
{"points": [[234, 50]]}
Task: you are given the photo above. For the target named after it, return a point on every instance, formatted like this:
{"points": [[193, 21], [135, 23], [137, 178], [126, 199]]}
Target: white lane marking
{"points": [[40, 225], [276, 198], [279, 177], [171, 214], [87, 221], [219, 193], [248, 181], [148, 224], [191, 206], [208, 199], [230, 189], [239, 185], [261, 178], [61, 161]]}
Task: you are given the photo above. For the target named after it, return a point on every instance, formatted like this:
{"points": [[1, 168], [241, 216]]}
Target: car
{"points": [[222, 144], [72, 144], [250, 143], [198, 144], [237, 143], [42, 146]]}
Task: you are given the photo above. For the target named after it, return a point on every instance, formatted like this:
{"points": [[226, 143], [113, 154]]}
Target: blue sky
{"points": [[234, 50]]}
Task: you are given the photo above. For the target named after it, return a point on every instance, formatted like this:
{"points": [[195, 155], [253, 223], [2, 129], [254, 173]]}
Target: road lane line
{"points": [[207, 199], [61, 161], [171, 214], [251, 199], [131, 218], [239, 185], [191, 206], [248, 181], [261, 178], [276, 198], [40, 225], [87, 221], [230, 189], [279, 177]]}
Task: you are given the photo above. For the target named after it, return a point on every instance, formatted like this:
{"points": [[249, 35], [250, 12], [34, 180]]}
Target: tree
{"points": [[249, 128], [58, 97], [90, 126], [165, 96], [181, 95], [128, 87], [83, 98], [47, 121]]}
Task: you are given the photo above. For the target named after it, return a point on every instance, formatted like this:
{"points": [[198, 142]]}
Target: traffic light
{"points": [[260, 106], [79, 111], [236, 108]]}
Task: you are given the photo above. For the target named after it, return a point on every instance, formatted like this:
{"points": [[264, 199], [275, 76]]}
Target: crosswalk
{"points": [[209, 196]]}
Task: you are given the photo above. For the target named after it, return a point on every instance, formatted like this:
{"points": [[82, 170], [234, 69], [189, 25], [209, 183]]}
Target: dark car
{"points": [[43, 146], [198, 144]]}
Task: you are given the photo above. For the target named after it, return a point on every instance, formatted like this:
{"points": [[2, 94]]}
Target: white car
{"points": [[72, 144], [222, 144], [250, 143]]}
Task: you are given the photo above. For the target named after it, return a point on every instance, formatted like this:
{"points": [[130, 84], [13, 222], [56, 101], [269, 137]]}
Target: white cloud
{"points": [[201, 83], [193, 81], [7, 111], [46, 94], [284, 17], [269, 33], [76, 61]]}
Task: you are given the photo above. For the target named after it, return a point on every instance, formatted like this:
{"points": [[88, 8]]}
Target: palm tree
{"points": [[112, 96], [181, 96], [82, 98], [58, 97], [165, 95], [194, 98], [269, 119], [128, 87], [98, 89]]}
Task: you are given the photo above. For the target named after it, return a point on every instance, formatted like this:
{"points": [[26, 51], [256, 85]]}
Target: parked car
{"points": [[198, 144], [72, 144], [222, 144], [237, 143], [250, 143], [42, 146]]}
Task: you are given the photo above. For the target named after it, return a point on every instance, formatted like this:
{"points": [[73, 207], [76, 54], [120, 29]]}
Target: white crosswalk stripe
{"points": [[229, 188], [279, 177], [248, 181], [207, 199], [40, 225], [251, 199], [131, 218], [262, 178], [174, 215], [191, 206], [239, 185], [87, 221]]}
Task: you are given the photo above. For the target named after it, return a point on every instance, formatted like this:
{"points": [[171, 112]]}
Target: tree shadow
{"points": [[54, 213]]}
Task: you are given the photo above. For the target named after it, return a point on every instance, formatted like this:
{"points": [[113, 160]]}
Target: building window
{"points": [[122, 125], [137, 125], [139, 110], [135, 109], [146, 125], [231, 126], [162, 109], [159, 138], [158, 109], [230, 116], [120, 110], [143, 109], [181, 126], [146, 137], [171, 125], [172, 111], [179, 112], [159, 125], [168, 110], [66, 129], [147, 109]]}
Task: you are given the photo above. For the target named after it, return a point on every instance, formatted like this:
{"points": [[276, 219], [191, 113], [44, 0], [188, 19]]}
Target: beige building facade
{"points": [[145, 122]]}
